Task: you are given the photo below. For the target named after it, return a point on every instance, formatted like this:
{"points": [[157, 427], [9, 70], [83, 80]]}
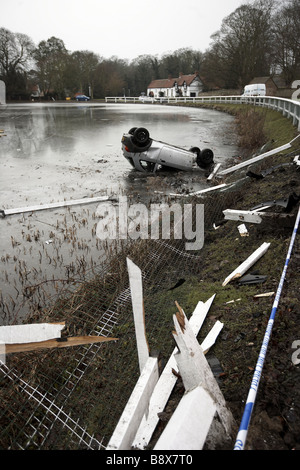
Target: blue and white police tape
{"points": [[244, 426]]}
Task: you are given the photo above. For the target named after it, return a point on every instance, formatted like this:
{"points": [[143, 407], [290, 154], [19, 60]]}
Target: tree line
{"points": [[257, 39]]}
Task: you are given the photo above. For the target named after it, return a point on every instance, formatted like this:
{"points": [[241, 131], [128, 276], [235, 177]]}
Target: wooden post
{"points": [[250, 261], [166, 382], [136, 407], [189, 426], [136, 288]]}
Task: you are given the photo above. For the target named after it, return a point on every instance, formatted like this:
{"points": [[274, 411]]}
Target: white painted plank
{"points": [[253, 217], [166, 382], [243, 230], [207, 190], [201, 191], [195, 370], [136, 289], [255, 159], [214, 172], [210, 339], [189, 425], [29, 333], [54, 205], [250, 261], [136, 407]]}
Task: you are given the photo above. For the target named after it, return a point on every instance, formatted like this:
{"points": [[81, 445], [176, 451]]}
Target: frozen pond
{"points": [[55, 152]]}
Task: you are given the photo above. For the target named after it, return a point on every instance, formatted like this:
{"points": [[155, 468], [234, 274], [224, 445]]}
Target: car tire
{"points": [[141, 136], [206, 158], [195, 150], [131, 131]]}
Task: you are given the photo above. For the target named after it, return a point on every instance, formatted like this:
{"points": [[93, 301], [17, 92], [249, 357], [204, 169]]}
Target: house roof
{"points": [[170, 82]]}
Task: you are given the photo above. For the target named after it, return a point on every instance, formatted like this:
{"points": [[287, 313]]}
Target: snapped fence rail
{"points": [[289, 108]]}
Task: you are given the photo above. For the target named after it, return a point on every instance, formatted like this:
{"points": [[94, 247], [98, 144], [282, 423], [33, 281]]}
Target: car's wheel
{"points": [[131, 131], [205, 158], [195, 150], [141, 135]]}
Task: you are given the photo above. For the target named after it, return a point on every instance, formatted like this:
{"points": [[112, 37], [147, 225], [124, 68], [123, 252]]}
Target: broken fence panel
{"points": [[166, 382], [251, 398], [258, 157], [250, 261], [203, 399], [253, 217], [53, 205], [254, 159]]}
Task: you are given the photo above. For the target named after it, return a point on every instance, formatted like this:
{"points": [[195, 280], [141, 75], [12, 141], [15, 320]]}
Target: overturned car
{"points": [[148, 155]]}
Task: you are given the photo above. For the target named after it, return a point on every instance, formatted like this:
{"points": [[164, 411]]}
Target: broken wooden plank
{"points": [[189, 425], [256, 217], [240, 270], [136, 289], [201, 191], [214, 172], [166, 382], [136, 407], [265, 294], [243, 230], [56, 343], [29, 333], [250, 161], [53, 205], [195, 370], [253, 217], [210, 339]]}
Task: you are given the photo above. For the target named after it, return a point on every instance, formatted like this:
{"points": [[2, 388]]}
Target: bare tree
{"points": [[287, 40], [241, 49], [15, 58]]}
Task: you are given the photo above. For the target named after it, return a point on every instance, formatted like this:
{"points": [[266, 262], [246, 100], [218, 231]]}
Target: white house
{"points": [[184, 85]]}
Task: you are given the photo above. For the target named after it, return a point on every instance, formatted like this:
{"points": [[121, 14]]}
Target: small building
{"points": [[271, 87], [185, 85]]}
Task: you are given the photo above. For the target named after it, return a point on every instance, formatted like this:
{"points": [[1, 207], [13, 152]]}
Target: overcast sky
{"points": [[122, 28]]}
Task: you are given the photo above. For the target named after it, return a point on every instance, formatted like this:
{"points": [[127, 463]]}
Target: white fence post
{"points": [[192, 420]]}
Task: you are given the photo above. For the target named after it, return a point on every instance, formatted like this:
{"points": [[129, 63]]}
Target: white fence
{"points": [[289, 108]]}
